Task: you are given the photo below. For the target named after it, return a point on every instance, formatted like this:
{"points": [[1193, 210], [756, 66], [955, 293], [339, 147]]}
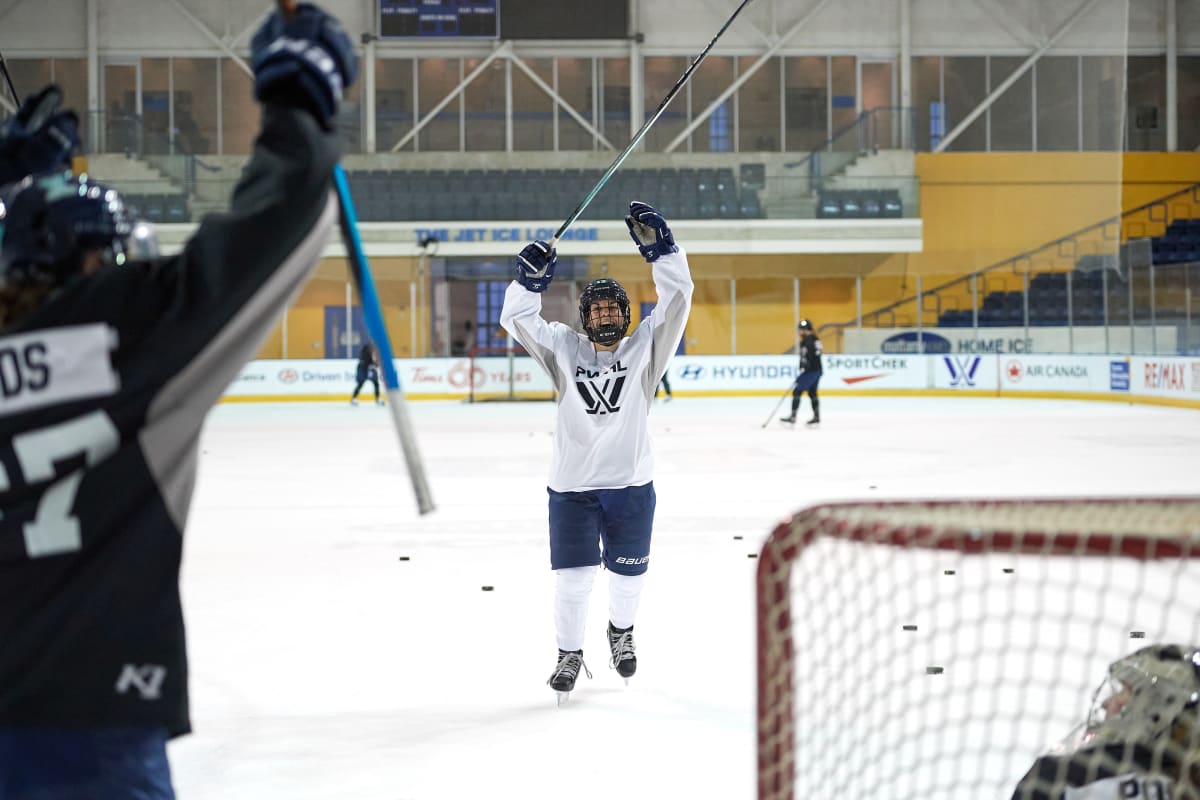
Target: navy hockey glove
{"points": [[40, 138], [649, 231], [303, 60], [535, 266]]}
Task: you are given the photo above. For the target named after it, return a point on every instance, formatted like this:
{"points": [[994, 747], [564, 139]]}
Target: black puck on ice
{"points": [[751, 555], [487, 588], [1009, 570], [934, 670], [737, 538], [910, 627], [948, 572], [404, 558], [1137, 634]]}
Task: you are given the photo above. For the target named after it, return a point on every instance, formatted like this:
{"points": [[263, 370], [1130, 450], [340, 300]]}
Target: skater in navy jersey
{"points": [[367, 370], [810, 373]]}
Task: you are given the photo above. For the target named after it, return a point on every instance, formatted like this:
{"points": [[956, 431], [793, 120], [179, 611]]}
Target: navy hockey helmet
{"points": [[805, 325], [49, 222], [604, 289]]}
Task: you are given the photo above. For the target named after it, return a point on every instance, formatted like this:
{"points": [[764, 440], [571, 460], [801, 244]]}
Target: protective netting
{"points": [[936, 649]]}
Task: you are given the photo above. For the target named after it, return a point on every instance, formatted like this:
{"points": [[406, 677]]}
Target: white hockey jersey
{"points": [[602, 436]]}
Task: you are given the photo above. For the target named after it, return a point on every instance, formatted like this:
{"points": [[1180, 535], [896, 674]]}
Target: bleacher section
{"points": [[1179, 245], [859, 204], [533, 194], [1085, 289]]}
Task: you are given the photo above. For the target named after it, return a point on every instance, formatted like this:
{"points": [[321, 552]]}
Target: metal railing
{"points": [[1148, 290], [883, 127]]}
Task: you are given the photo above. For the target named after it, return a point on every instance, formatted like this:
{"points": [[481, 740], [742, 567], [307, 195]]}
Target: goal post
{"points": [[933, 649], [505, 374]]}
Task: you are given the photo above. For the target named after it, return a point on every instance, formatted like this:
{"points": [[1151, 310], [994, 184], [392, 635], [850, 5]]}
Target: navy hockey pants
{"points": [[609, 526], [114, 763]]}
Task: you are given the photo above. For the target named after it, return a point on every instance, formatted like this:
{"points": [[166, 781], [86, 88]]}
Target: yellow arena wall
{"points": [[978, 209]]}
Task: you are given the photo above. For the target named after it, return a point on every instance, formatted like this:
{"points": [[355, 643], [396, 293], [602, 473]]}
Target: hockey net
{"points": [[506, 373], [935, 649]]}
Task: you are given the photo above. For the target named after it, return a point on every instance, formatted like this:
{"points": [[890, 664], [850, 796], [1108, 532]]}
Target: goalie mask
{"points": [[1148, 695], [594, 292], [54, 224]]}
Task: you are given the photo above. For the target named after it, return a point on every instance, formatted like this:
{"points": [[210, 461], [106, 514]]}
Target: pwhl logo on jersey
{"points": [[601, 391], [962, 370]]}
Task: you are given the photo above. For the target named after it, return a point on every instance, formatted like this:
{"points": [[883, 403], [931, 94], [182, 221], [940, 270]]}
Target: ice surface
{"points": [[324, 666]]}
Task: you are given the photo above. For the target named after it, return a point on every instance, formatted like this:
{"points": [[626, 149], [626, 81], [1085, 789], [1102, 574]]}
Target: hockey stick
{"points": [[376, 329], [8, 78], [641, 134], [775, 411]]}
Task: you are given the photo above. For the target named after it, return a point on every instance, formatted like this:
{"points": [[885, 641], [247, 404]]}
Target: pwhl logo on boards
{"points": [[962, 370]]}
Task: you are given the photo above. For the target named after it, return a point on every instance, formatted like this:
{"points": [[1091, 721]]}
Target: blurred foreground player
{"points": [[1141, 739], [111, 362], [601, 477]]}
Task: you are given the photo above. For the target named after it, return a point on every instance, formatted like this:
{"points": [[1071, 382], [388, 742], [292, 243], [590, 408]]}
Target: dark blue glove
{"points": [[40, 138], [535, 266], [303, 60], [649, 231]]}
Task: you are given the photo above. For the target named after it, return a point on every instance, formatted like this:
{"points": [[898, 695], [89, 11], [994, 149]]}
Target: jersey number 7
{"points": [[55, 529]]}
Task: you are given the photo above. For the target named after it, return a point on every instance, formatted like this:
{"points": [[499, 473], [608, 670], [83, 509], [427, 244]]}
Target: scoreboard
{"points": [[519, 19], [434, 18]]}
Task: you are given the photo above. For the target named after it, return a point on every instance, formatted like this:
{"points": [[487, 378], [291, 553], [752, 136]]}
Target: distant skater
{"points": [[810, 374]]}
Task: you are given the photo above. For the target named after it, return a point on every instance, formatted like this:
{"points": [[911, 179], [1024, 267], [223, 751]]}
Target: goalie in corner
{"points": [[1141, 738]]}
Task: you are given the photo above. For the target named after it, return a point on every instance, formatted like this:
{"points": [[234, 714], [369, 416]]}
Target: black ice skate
{"points": [[790, 419], [816, 420], [620, 642], [562, 680]]}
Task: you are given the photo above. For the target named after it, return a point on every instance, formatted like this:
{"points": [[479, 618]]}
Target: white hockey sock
{"points": [[624, 591], [571, 592]]}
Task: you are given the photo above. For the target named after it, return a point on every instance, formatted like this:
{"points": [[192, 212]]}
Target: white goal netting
{"points": [[935, 649]]}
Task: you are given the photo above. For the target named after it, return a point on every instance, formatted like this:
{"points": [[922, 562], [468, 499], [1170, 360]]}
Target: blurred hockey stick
{"points": [[8, 80], [48, 103], [641, 134], [775, 411], [376, 329]]}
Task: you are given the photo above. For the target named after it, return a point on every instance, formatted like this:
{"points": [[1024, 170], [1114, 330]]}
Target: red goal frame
{"points": [[967, 527]]}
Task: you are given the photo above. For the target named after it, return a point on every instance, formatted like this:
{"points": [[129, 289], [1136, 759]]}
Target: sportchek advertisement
{"points": [[1173, 380]]}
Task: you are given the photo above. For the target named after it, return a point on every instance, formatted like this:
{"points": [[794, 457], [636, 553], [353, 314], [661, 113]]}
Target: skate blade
{"points": [[562, 698]]}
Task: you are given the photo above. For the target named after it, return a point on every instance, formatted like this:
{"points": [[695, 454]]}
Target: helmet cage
{"points": [[604, 289], [1145, 695]]}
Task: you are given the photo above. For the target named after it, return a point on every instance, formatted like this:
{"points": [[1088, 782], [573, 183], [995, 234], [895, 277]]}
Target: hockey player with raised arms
{"points": [[601, 477], [114, 357]]}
